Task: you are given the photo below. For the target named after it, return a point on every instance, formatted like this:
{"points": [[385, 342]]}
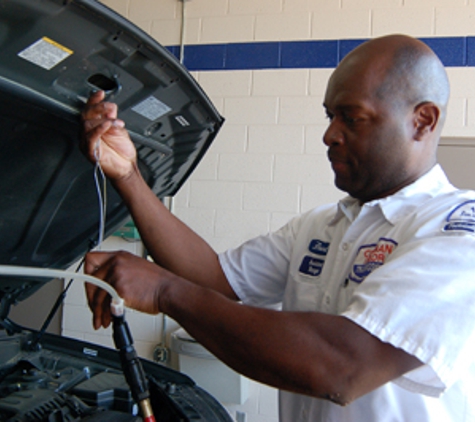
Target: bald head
{"points": [[410, 73], [386, 102]]}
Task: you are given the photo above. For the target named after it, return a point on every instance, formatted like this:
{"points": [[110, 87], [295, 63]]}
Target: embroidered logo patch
{"points": [[371, 257], [311, 266], [319, 247], [462, 218]]}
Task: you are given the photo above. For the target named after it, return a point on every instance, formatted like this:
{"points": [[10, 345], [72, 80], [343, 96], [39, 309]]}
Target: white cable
{"points": [[182, 33], [117, 303], [101, 194]]}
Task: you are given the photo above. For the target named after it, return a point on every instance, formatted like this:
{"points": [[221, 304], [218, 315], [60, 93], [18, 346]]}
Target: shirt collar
{"points": [[403, 202]]}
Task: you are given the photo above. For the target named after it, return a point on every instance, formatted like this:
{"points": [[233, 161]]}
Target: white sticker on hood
{"points": [[45, 53], [151, 108]]}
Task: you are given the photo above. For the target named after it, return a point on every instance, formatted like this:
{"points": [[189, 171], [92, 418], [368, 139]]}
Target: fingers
{"points": [[135, 279], [97, 108], [95, 260], [99, 303], [105, 138], [95, 98], [99, 114], [96, 264]]}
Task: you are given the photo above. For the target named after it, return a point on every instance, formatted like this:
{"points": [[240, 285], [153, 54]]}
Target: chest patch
{"points": [[371, 257], [462, 218], [312, 265], [319, 247]]}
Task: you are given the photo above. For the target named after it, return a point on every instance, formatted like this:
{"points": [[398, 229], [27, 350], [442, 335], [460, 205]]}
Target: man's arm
{"points": [[170, 242], [311, 353]]}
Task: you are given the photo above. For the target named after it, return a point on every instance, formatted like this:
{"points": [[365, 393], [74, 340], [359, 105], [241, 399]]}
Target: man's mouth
{"points": [[338, 163]]}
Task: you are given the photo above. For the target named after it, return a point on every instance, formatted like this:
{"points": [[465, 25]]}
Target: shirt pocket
{"points": [[303, 293]]}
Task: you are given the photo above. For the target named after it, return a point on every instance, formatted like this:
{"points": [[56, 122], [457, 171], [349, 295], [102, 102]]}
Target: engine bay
{"points": [[64, 379]]}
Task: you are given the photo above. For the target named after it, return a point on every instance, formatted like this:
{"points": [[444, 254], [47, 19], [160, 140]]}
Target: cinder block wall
{"points": [[268, 163]]}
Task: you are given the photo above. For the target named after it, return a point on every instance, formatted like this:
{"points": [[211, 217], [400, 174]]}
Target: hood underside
{"points": [[52, 55]]}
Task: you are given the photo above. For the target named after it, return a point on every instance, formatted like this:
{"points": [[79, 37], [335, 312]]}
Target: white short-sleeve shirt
{"points": [[403, 268]]}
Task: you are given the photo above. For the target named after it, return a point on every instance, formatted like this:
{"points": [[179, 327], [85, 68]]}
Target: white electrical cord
{"points": [[117, 303], [101, 194], [182, 32]]}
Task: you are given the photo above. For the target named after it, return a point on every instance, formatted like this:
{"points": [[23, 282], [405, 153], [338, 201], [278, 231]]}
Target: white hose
{"points": [[117, 303]]}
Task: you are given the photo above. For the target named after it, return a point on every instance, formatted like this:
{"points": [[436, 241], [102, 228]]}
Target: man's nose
{"points": [[333, 135]]}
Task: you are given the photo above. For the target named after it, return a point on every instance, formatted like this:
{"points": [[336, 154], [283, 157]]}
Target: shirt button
{"points": [[327, 299], [345, 246]]}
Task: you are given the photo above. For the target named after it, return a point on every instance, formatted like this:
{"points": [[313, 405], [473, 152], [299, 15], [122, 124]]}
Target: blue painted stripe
{"points": [[453, 52]]}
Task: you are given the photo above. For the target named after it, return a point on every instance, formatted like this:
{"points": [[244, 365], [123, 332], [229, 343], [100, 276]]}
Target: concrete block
{"points": [[274, 139], [311, 5], [248, 7], [227, 84], [227, 195], [255, 110], [456, 113], [245, 167], [470, 122], [418, 22], [271, 197], [435, 3], [283, 27], [300, 110], [462, 81], [241, 224], [455, 21], [341, 24], [301, 169], [224, 29], [166, 31], [371, 4], [200, 9], [152, 9], [280, 82]]}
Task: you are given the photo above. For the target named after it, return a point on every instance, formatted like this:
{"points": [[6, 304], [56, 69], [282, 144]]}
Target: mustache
{"points": [[334, 156]]}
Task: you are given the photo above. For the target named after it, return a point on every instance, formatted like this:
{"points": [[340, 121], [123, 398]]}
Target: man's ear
{"points": [[426, 118]]}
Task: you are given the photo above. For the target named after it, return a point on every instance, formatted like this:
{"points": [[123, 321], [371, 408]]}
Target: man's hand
{"points": [[136, 280], [106, 139]]}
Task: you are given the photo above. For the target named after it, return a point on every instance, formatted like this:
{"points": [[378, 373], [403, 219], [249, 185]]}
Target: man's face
{"points": [[368, 138]]}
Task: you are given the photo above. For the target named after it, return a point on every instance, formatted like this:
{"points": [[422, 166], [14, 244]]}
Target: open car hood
{"points": [[53, 53]]}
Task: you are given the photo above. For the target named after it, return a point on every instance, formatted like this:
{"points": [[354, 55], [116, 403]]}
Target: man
{"points": [[376, 291]]}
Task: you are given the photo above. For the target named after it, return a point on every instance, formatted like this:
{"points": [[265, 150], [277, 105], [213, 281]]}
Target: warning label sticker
{"points": [[45, 53], [151, 108]]}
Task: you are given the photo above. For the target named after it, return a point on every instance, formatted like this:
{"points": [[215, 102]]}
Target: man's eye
{"points": [[350, 120]]}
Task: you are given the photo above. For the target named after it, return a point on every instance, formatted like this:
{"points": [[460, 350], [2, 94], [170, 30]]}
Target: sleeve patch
{"points": [[462, 218]]}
